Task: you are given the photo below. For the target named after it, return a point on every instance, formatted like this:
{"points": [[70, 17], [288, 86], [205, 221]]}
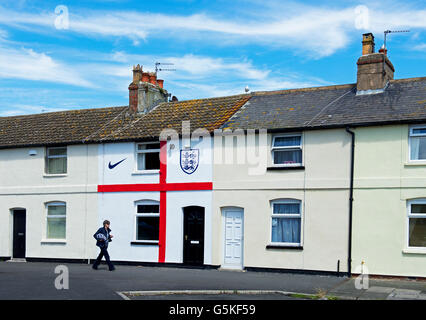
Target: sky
{"points": [[63, 55]]}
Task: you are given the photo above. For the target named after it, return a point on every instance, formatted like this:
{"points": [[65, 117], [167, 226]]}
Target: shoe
{"points": [[111, 269], [94, 267]]}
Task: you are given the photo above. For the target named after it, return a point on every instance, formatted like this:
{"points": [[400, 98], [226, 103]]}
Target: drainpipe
{"points": [[351, 192]]}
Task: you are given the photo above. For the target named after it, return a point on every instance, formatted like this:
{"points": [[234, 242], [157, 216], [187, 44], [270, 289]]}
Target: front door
{"points": [[193, 235], [19, 222], [233, 221]]}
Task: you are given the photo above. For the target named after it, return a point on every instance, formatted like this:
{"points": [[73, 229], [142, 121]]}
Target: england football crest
{"points": [[189, 160]]}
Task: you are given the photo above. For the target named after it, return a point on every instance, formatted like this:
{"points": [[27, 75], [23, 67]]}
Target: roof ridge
{"points": [[337, 86]]}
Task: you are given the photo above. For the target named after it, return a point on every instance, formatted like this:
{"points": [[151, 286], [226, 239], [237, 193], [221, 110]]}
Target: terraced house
{"points": [[314, 180]]}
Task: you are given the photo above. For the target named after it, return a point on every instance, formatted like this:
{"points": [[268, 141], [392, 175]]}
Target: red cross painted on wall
{"points": [[163, 187]]}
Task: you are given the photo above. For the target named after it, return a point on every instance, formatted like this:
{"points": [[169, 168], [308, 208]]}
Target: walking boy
{"points": [[103, 236]]}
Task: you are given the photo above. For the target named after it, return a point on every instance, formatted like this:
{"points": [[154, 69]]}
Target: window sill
{"points": [[144, 243], [145, 172], [281, 246], [53, 241], [415, 163], [286, 168], [47, 175], [414, 250]]}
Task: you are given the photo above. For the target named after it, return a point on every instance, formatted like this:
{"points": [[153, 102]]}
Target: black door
{"points": [[19, 221], [193, 235]]}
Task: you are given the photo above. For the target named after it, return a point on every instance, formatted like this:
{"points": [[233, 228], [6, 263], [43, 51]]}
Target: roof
{"points": [[115, 123], [333, 106], [403, 101]]}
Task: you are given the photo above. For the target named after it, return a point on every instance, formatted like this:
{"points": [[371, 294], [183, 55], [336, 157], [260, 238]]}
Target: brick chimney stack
{"points": [[374, 69], [145, 91]]}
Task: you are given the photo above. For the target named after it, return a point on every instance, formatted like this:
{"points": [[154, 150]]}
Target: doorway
{"points": [[19, 229], [193, 235], [233, 219]]}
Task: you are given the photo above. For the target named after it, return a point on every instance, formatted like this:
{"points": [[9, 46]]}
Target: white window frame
{"points": [[287, 147], [137, 152], [410, 135], [413, 215], [56, 203], [278, 215], [150, 215], [47, 157]]}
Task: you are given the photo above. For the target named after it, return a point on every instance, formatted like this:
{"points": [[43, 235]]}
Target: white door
{"points": [[233, 247]]}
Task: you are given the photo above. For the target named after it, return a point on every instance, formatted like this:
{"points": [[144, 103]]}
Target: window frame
{"points": [[55, 203], [273, 149], [413, 215], [47, 157], [412, 134], [150, 215], [137, 152], [278, 215]]}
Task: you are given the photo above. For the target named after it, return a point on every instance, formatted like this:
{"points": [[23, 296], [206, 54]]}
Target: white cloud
{"points": [[317, 31], [30, 65], [420, 47]]}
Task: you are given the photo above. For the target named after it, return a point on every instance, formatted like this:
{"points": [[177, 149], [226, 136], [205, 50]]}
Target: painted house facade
{"points": [[329, 177]]}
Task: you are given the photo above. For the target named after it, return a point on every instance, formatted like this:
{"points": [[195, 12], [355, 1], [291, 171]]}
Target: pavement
{"points": [[36, 281]]}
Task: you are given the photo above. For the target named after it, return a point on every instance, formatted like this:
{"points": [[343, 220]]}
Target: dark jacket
{"points": [[102, 237]]}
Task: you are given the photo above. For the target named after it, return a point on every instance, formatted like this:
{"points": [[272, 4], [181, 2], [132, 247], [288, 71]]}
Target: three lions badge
{"points": [[189, 160]]}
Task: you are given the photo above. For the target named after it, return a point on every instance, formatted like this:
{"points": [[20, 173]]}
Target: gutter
{"points": [[351, 199]]}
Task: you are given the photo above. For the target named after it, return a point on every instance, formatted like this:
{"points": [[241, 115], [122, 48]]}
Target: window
{"points": [[286, 222], [148, 156], [417, 223], [56, 160], [417, 143], [147, 221], [287, 150], [56, 220]]}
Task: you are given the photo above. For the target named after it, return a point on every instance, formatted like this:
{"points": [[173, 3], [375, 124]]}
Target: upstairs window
{"points": [[287, 150], [286, 222], [417, 143], [147, 221], [56, 160], [417, 224], [56, 220], [148, 156]]}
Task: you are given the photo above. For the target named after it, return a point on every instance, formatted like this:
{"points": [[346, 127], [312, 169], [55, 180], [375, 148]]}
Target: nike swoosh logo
{"points": [[112, 166]]}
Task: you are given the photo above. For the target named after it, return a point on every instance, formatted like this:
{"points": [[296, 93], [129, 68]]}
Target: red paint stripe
{"points": [[162, 231], [163, 203], [182, 186]]}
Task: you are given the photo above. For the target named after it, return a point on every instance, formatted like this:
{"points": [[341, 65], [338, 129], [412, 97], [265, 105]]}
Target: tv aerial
{"points": [[159, 64], [386, 32]]}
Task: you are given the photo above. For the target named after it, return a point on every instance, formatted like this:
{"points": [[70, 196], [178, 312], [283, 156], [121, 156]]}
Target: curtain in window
{"points": [[290, 156], [418, 148], [286, 230], [57, 165], [55, 228], [56, 221]]}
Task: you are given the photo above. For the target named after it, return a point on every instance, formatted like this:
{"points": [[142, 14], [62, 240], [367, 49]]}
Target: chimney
{"points": [[145, 91], [374, 69]]}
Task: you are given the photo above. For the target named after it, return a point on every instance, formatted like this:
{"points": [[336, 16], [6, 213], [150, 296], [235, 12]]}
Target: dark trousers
{"points": [[103, 253]]}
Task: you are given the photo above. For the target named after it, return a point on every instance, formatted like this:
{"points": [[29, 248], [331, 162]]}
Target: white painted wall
{"points": [[23, 184]]}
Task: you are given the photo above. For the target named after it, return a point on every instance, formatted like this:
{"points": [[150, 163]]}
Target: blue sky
{"points": [[218, 47]]}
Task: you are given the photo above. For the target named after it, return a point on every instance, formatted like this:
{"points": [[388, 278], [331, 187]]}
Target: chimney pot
{"points": [[137, 73], [145, 77], [160, 83], [153, 78], [367, 43]]}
